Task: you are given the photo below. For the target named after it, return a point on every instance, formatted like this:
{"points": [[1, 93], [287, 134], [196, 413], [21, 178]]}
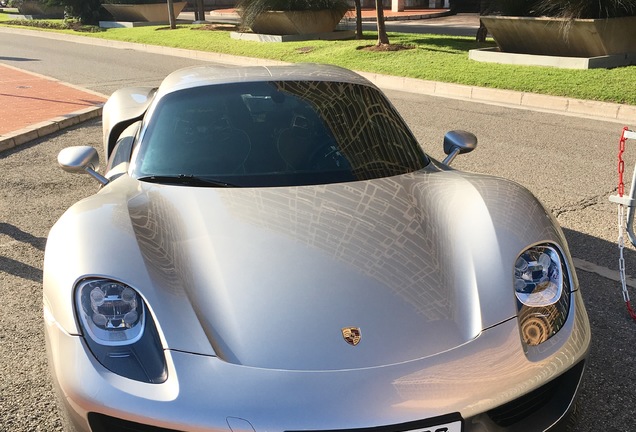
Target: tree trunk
{"points": [[171, 18], [485, 8], [359, 34], [383, 38], [200, 11]]}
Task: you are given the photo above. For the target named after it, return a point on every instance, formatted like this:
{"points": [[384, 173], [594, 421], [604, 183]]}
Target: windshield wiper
{"points": [[186, 180]]}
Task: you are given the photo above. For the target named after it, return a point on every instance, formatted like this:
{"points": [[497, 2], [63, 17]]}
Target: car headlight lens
{"points": [[119, 331], [542, 288], [112, 313]]}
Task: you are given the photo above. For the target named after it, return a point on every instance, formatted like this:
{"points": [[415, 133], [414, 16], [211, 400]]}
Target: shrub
{"points": [[88, 12], [572, 9], [568, 9], [68, 24], [250, 9]]}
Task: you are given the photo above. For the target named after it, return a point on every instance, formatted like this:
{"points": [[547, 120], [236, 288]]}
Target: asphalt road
{"points": [[568, 162]]}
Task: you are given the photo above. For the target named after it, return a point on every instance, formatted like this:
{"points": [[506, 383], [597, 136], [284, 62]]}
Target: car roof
{"points": [[216, 74]]}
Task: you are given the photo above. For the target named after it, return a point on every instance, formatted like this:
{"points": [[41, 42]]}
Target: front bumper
{"points": [[203, 393]]}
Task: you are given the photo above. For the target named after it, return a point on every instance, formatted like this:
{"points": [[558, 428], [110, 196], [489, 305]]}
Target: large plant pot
{"points": [[155, 12], [38, 9], [562, 37], [296, 22]]}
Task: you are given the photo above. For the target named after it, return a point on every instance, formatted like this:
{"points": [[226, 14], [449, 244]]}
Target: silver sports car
{"points": [[272, 251]]}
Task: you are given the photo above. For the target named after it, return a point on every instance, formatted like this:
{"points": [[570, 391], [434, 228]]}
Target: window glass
{"points": [[277, 134]]}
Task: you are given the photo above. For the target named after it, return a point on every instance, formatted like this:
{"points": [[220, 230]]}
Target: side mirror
{"points": [[81, 159], [458, 142]]}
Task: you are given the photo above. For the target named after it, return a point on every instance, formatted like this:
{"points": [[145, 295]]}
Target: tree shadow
{"points": [[20, 269], [22, 236], [17, 268], [454, 44], [18, 59]]}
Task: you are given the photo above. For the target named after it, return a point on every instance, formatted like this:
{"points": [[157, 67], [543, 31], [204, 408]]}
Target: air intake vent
{"points": [[554, 392]]}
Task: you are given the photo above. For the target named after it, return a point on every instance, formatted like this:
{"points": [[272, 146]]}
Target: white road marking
{"points": [[605, 272]]}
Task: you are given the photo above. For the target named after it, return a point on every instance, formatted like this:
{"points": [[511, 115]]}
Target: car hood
{"points": [[273, 277]]}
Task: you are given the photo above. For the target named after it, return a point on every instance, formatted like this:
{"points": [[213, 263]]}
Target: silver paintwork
{"points": [[250, 289], [213, 74], [121, 109], [202, 391], [81, 159], [77, 159]]}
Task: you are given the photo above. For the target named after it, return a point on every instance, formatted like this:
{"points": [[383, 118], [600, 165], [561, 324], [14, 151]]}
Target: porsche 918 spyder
{"points": [[271, 250]]}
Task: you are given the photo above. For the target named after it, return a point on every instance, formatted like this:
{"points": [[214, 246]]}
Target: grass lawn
{"points": [[433, 57]]}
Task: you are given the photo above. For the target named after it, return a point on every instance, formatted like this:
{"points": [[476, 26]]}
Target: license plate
{"points": [[455, 426]]}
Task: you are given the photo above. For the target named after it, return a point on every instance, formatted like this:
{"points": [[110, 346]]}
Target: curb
{"points": [[603, 111], [405, 17], [47, 127]]}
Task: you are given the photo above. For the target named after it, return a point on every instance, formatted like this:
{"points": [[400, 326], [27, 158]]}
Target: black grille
{"points": [[517, 410], [401, 427], [104, 423]]}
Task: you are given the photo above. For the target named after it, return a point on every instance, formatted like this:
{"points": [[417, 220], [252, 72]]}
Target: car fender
{"points": [[95, 239]]}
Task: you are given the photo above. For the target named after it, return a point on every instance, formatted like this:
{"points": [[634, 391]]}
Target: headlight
{"points": [[542, 288], [119, 331]]}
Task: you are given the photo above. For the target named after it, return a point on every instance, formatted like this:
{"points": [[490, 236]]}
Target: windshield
{"points": [[287, 133]]}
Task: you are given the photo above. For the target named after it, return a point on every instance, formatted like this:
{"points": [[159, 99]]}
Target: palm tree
{"points": [[199, 11], [358, 6], [171, 18], [383, 38]]}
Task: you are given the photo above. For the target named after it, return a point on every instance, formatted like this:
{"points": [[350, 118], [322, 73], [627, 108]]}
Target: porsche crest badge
{"points": [[351, 335]]}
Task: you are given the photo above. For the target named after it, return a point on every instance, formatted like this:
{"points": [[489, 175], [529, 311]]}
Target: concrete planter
{"points": [[561, 37], [37, 9], [155, 12], [296, 22]]}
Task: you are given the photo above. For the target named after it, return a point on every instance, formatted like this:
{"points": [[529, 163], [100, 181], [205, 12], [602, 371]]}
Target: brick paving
{"points": [[27, 98]]}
